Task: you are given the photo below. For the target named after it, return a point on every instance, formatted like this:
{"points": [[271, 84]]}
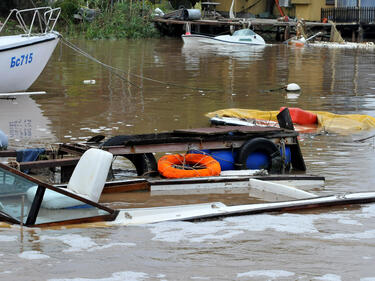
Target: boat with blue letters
{"points": [[24, 56]]}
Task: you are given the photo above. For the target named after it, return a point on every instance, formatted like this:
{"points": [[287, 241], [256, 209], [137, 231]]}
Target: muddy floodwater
{"points": [[328, 244]]}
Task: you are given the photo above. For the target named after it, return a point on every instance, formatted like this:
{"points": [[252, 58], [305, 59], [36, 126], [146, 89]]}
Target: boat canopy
{"points": [[27, 201], [244, 32]]}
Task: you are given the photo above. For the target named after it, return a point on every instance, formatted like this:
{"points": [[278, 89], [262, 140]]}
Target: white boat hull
{"points": [[226, 40], [23, 58], [217, 209]]}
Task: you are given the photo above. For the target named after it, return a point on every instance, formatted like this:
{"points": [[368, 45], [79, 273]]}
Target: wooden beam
{"points": [[49, 163]]}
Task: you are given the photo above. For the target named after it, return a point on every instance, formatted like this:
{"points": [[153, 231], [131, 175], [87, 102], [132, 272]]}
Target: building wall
{"points": [[309, 10], [254, 7]]}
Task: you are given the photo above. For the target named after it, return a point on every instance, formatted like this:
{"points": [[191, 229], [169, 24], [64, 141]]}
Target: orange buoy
{"points": [[296, 43], [302, 117], [177, 166], [299, 44]]}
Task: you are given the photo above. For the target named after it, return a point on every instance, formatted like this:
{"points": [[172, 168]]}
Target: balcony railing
{"points": [[364, 15]]}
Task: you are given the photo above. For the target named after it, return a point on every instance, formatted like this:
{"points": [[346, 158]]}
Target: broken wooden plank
{"points": [[270, 191]]}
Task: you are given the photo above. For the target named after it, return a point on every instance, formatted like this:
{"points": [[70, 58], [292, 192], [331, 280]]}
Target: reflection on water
{"points": [[335, 80], [23, 121], [240, 53]]}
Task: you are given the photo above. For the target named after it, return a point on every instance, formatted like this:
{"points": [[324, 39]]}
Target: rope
{"points": [[15, 165], [114, 70]]}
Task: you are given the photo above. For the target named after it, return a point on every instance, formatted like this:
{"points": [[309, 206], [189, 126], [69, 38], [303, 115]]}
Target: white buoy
{"points": [[293, 87]]}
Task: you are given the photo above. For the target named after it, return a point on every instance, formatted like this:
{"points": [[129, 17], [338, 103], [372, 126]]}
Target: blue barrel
{"points": [[225, 157], [259, 160]]}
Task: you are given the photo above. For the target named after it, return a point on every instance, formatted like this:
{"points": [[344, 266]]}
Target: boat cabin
{"points": [[27, 201], [244, 32]]}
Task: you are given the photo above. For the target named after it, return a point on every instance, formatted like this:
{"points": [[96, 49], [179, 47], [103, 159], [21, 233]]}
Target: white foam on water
{"points": [[345, 45], [319, 163], [290, 223], [79, 243], [233, 226], [7, 238], [368, 279], [266, 273], [33, 255], [117, 276], [328, 277], [349, 221], [110, 246], [368, 234], [194, 232], [367, 212], [199, 278], [367, 258], [75, 241]]}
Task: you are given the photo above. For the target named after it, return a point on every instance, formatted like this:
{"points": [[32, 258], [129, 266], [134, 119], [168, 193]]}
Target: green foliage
{"points": [[124, 20], [68, 9]]}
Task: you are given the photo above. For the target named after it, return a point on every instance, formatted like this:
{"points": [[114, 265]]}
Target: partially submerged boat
{"points": [[24, 56], [242, 37], [30, 202], [89, 198]]}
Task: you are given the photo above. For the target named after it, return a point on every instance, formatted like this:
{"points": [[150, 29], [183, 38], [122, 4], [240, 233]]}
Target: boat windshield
{"points": [[24, 199], [244, 32]]}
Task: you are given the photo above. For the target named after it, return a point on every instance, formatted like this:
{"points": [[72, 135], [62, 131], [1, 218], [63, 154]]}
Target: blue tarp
{"points": [[29, 154]]}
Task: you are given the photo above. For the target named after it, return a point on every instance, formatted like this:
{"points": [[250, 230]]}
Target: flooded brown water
{"points": [[330, 244]]}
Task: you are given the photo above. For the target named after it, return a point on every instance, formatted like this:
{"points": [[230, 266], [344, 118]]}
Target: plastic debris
{"points": [[293, 87]]}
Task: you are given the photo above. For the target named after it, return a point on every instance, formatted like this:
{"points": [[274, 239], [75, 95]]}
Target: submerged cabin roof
{"points": [[27, 201]]}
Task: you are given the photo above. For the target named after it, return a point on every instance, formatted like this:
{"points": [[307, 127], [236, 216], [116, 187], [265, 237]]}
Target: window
{"points": [[24, 199]]}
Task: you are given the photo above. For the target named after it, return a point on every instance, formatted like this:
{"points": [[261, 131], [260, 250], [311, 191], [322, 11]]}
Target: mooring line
{"points": [[115, 70]]}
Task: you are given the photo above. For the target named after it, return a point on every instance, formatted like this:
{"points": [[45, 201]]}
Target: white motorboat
{"points": [[242, 37], [27, 201], [24, 56]]}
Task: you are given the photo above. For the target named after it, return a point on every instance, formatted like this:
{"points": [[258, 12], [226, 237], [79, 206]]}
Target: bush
{"points": [[124, 20], [68, 9]]}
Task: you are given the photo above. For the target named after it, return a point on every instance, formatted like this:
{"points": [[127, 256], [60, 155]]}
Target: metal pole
{"points": [[22, 215]]}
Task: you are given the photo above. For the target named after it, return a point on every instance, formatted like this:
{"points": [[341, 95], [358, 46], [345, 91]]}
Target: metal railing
{"points": [[44, 17], [364, 15]]}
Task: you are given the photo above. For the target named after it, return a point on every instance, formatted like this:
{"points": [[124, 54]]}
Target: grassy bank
{"points": [[123, 19]]}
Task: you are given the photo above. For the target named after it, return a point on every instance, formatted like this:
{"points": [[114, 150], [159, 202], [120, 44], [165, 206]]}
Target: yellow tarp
{"points": [[245, 114], [328, 121], [352, 122]]}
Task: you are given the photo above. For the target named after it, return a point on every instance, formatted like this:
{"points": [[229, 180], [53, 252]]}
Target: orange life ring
{"points": [[188, 166]]}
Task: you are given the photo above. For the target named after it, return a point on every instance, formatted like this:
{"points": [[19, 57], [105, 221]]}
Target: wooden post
{"points": [[287, 32], [277, 38], [360, 34], [353, 35]]}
